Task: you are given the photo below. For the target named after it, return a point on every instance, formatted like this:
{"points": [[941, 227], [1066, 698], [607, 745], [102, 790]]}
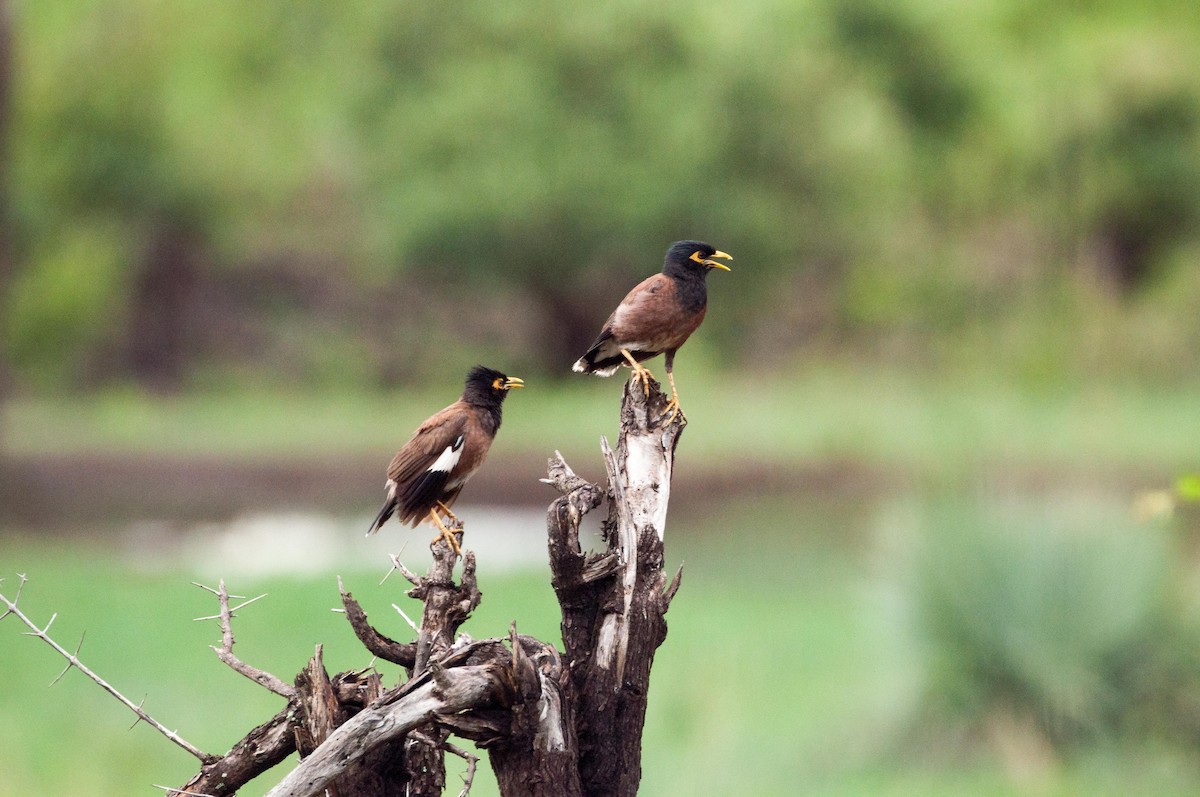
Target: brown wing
{"points": [[429, 442], [651, 319]]}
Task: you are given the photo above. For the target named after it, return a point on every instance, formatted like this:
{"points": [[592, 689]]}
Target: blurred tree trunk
{"points": [[570, 325], [162, 314], [6, 223]]}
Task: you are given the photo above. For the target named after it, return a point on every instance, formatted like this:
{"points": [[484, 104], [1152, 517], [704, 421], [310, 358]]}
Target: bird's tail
{"points": [[600, 359], [382, 517]]}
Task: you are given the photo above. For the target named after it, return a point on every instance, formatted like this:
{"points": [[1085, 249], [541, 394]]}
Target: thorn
{"points": [[66, 669], [409, 575], [246, 603], [173, 792], [395, 557], [139, 709], [407, 619], [71, 662]]}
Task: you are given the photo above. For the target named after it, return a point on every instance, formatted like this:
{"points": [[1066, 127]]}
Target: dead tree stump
{"points": [[554, 724]]}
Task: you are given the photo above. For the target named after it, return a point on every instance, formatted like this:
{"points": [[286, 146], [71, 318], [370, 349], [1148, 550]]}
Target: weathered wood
{"points": [[447, 606], [386, 648], [553, 724], [319, 711], [453, 690], [260, 750], [612, 627]]}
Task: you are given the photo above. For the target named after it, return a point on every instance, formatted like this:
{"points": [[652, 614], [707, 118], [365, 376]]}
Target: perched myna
{"points": [[656, 317], [429, 472]]}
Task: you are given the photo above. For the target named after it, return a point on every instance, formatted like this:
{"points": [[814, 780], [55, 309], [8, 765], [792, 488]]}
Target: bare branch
{"points": [[462, 688], [260, 749], [561, 477], [472, 761], [22, 578], [225, 652], [73, 661], [397, 565], [404, 654]]}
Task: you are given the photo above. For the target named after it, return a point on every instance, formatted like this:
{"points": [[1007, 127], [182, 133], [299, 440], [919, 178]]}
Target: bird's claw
{"points": [[643, 375], [449, 537], [445, 533], [672, 409]]}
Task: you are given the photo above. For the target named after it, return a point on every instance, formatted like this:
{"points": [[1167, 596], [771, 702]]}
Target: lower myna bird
{"points": [[429, 472], [656, 317]]}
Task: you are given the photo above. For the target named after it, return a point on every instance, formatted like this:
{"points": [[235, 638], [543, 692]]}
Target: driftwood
{"points": [[553, 723]]}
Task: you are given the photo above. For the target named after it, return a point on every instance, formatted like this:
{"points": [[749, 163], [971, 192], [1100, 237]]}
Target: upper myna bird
{"points": [[656, 317], [429, 472]]}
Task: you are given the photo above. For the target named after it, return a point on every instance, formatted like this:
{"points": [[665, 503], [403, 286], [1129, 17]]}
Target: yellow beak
{"points": [[714, 264], [514, 381]]}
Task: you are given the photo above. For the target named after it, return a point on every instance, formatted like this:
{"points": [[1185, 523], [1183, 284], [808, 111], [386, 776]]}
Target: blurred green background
{"points": [[934, 496]]}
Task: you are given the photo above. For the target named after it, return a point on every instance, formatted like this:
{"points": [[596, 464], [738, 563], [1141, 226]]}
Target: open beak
{"points": [[714, 264], [512, 382]]}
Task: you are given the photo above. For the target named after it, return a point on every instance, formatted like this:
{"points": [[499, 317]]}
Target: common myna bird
{"points": [[429, 472], [656, 317]]}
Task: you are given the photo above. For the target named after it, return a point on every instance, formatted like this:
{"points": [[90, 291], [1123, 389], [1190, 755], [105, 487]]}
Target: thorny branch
{"points": [[73, 661], [404, 654], [471, 759], [225, 652]]}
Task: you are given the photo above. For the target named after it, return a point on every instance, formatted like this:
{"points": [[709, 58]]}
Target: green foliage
{"points": [[1188, 488], [1067, 618], [66, 310], [936, 178]]}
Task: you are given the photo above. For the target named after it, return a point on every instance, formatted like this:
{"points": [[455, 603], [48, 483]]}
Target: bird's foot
{"points": [[642, 374], [672, 409], [450, 537], [446, 534]]}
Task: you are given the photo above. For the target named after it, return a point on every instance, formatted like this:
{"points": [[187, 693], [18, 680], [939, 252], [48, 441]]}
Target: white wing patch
{"points": [[449, 458]]}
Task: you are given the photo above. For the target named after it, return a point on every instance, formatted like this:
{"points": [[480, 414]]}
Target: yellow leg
{"points": [[640, 372], [446, 510], [673, 404], [445, 534]]}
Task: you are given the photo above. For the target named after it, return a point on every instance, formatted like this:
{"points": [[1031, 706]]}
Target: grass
{"points": [[788, 667], [890, 418]]}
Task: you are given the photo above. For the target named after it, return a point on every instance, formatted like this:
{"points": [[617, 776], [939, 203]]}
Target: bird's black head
{"points": [[487, 387], [694, 258]]}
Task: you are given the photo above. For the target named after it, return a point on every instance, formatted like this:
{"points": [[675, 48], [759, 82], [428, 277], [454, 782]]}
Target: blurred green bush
{"points": [[1001, 182], [1074, 622]]}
